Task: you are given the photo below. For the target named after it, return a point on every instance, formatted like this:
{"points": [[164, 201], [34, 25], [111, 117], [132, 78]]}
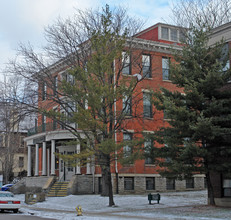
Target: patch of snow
{"points": [[188, 205]]}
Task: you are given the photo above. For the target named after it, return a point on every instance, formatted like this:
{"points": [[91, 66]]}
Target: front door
{"points": [[67, 170]]}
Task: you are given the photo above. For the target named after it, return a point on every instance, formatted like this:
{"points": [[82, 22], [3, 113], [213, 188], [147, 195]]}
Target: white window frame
{"points": [[165, 68], [127, 150], [146, 64], [126, 63]]}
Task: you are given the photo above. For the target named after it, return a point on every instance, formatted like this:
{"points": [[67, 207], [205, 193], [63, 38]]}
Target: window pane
{"points": [[227, 192], [150, 183], [127, 105], [174, 34], [127, 149], [44, 91], [170, 184], [182, 36], [164, 33], [165, 62], [126, 63], [146, 60], [227, 187], [147, 107], [165, 68], [224, 58], [128, 183], [148, 151], [146, 65], [21, 162], [43, 123], [55, 84], [226, 183], [190, 183]]}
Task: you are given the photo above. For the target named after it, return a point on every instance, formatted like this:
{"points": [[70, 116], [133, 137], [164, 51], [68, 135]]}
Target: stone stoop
{"points": [[32, 201], [59, 189]]}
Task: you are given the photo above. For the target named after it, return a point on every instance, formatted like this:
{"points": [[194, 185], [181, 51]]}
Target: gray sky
{"points": [[24, 20]]}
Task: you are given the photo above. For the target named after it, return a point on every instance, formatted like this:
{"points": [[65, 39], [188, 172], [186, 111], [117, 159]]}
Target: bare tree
{"points": [[14, 120], [91, 50], [201, 13]]}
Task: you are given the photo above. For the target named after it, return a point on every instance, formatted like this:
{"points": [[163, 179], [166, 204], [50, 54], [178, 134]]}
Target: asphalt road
{"points": [[9, 216]]}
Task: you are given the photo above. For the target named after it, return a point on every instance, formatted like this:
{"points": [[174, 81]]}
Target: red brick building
{"points": [[156, 44]]}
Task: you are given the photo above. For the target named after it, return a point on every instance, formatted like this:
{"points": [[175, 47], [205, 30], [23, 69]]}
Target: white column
{"points": [[48, 161], [29, 161], [36, 159], [78, 170], [44, 165], [52, 157], [88, 167]]}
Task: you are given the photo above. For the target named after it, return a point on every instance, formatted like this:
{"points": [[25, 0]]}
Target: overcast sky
{"points": [[24, 20]]}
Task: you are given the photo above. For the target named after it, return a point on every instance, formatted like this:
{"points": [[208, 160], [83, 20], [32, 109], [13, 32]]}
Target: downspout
{"points": [[116, 164], [93, 175]]}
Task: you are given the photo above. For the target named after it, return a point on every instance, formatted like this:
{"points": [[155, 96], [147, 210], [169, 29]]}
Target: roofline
{"points": [[137, 42], [220, 28]]}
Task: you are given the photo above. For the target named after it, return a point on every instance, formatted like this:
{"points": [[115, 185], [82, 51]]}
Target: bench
{"points": [[153, 197]]}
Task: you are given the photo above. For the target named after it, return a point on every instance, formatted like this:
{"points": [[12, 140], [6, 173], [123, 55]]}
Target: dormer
{"points": [[163, 33]]}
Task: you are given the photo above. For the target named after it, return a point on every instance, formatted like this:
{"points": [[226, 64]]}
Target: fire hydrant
{"points": [[79, 210]]}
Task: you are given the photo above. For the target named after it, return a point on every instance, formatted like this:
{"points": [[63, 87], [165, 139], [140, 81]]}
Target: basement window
{"points": [[227, 187], [128, 183]]}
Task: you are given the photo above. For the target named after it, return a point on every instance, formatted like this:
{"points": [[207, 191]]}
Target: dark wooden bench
{"points": [[153, 197]]}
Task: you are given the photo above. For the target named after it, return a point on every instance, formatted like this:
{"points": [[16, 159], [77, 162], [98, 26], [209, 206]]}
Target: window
{"points": [[146, 64], [100, 185], [54, 120], [225, 56], [205, 183], [126, 59], [55, 84], [128, 183], [165, 68], [227, 187], [186, 140], [21, 141], [43, 123], [21, 162], [165, 114], [165, 33], [147, 106], [190, 183], [150, 183], [127, 105], [170, 184], [127, 150], [173, 34], [182, 36], [70, 79], [70, 108], [69, 163], [148, 151], [44, 91]]}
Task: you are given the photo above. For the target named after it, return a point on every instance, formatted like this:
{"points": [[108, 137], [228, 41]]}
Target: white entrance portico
{"points": [[43, 150]]}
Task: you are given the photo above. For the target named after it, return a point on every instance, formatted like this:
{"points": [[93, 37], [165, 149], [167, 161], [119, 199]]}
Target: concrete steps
{"points": [[59, 189]]}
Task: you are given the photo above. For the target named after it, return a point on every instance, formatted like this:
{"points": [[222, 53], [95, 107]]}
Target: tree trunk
{"points": [[106, 181], [210, 189]]}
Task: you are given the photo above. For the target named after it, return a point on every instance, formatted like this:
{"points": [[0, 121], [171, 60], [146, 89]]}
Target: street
{"points": [[9, 216]]}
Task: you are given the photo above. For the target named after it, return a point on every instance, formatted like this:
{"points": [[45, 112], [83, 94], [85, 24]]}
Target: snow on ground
{"points": [[173, 205]]}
